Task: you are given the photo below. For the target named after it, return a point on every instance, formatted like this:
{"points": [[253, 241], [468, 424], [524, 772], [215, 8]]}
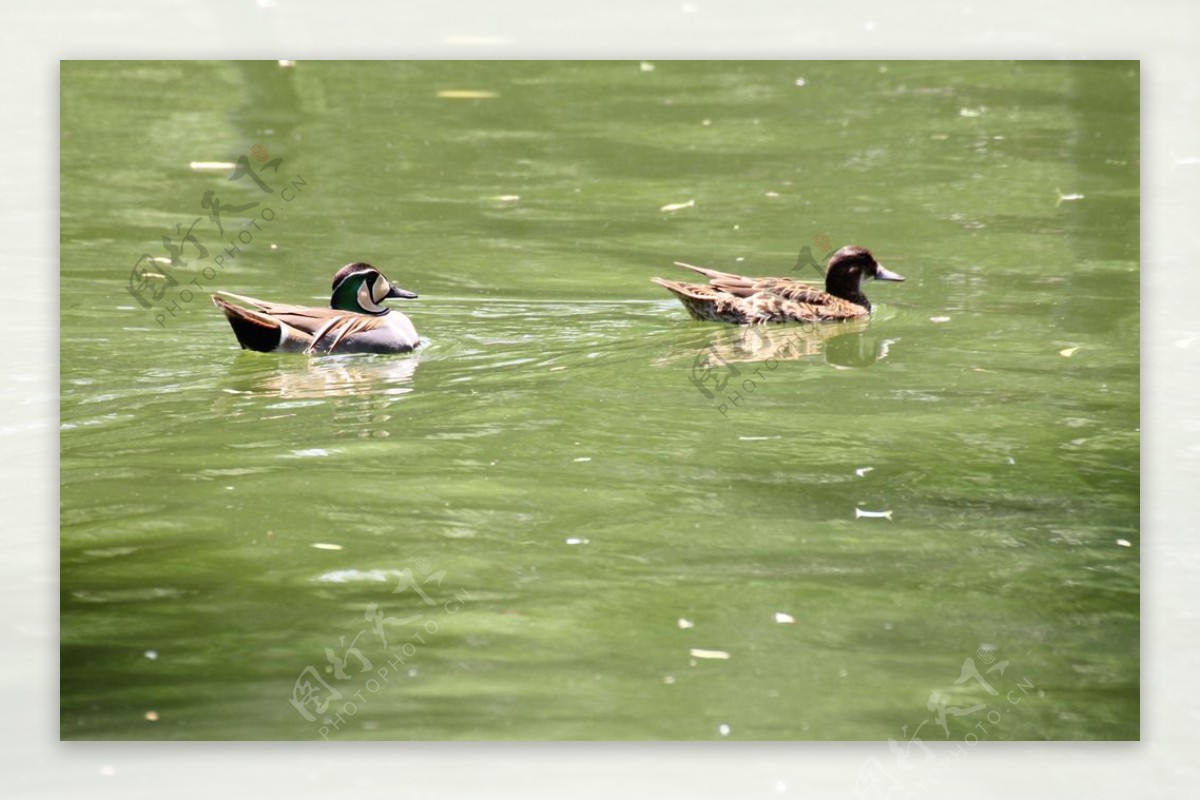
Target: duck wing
{"points": [[744, 286], [298, 327]]}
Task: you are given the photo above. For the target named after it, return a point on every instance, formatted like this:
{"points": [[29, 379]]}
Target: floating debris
{"points": [[757, 439], [864, 513], [1068, 352], [771, 194], [583, 459], [684, 623], [1124, 543], [939, 319], [678, 206], [668, 679], [467, 94], [1062, 197], [286, 63], [862, 471], [577, 541], [799, 82], [326, 546], [646, 66], [211, 166], [505, 198], [784, 617], [704, 653], [151, 655], [151, 716], [971, 112], [723, 729]]}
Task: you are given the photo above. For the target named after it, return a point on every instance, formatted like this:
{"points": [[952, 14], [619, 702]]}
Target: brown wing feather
{"points": [[743, 286], [314, 323]]}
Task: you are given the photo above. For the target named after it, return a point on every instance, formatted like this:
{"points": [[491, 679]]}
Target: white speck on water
{"points": [[864, 513], [577, 541], [208, 166], [326, 546], [723, 729], [677, 206], [704, 653], [862, 471], [756, 439], [151, 655], [684, 623], [1125, 543], [784, 617], [1068, 352], [646, 66], [274, 246], [771, 194], [1011, 460], [939, 319], [303, 454], [970, 112], [584, 459], [800, 82]]}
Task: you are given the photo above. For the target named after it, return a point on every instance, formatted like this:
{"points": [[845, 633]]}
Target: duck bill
{"points": [[397, 292], [882, 274]]}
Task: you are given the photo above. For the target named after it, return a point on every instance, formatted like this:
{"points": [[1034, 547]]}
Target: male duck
{"points": [[355, 322], [729, 298]]}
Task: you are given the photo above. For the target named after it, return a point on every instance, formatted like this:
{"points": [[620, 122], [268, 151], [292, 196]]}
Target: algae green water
{"points": [[575, 513]]}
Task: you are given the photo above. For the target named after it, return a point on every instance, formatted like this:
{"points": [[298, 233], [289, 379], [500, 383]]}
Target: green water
{"points": [[558, 523]]}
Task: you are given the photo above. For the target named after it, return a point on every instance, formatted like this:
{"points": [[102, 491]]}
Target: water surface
{"points": [[576, 513]]}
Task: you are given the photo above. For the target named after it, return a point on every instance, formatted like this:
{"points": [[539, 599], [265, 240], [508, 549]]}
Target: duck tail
{"points": [[727, 282], [706, 272], [681, 290], [254, 330]]}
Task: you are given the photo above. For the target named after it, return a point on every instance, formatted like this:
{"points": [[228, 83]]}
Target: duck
{"points": [[356, 321], [744, 300]]}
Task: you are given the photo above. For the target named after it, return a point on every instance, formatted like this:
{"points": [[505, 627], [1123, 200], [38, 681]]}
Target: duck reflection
{"points": [[843, 345], [329, 377]]}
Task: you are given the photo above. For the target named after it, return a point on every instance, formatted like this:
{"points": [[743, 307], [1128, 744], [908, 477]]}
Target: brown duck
{"points": [[729, 298]]}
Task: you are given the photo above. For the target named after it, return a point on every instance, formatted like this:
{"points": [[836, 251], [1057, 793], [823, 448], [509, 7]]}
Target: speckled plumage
{"points": [[744, 300]]}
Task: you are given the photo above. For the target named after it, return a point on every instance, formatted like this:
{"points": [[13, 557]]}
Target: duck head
{"points": [[848, 267], [359, 287]]}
